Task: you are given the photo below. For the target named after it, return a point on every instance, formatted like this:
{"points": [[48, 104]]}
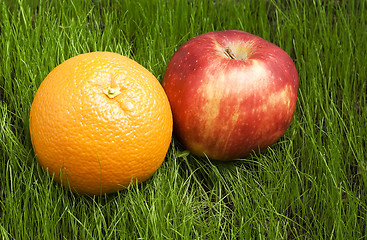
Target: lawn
{"points": [[311, 184]]}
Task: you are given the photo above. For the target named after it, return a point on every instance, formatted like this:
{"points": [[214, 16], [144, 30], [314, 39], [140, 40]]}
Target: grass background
{"points": [[310, 185]]}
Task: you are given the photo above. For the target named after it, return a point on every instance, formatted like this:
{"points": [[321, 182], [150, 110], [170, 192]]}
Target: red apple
{"points": [[231, 93]]}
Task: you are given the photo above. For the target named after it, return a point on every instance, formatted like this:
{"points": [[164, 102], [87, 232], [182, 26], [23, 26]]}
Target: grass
{"points": [[312, 184]]}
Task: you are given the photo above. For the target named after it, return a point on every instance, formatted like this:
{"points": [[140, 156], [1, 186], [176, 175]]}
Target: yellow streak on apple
{"points": [[273, 102], [210, 110]]}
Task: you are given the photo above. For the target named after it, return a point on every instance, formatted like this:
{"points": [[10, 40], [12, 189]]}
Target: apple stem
{"points": [[229, 53]]}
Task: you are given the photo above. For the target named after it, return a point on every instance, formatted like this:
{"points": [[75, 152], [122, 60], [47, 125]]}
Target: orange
{"points": [[100, 121]]}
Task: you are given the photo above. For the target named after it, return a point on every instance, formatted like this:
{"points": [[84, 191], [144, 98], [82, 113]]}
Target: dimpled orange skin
{"points": [[100, 144]]}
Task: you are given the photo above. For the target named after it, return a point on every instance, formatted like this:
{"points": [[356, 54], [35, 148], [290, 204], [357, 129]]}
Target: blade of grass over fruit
{"points": [[312, 184]]}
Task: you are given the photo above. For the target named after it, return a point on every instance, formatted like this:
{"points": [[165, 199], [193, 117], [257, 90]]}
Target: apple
{"points": [[231, 93]]}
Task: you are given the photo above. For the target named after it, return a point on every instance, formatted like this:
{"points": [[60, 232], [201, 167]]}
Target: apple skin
{"points": [[231, 93]]}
